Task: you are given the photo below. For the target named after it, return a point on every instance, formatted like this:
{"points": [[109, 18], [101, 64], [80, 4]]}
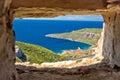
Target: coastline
{"points": [[49, 35], [88, 36]]}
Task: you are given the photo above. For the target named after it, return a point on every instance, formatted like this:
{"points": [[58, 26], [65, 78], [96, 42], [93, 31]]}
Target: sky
{"points": [[74, 17]]}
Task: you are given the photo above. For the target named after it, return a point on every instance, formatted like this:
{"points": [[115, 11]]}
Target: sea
{"points": [[34, 31]]}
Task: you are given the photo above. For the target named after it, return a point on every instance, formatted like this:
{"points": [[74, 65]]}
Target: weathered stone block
{"points": [[70, 4]]}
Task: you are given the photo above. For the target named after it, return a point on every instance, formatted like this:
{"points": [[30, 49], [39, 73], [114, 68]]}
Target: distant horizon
{"points": [[71, 18]]}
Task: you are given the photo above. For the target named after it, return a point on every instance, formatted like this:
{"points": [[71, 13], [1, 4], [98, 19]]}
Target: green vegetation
{"points": [[38, 54], [88, 35]]}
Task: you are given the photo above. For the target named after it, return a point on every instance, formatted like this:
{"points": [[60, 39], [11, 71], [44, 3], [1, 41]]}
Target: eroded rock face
{"points": [[69, 4], [7, 42], [20, 54], [111, 40], [109, 43]]}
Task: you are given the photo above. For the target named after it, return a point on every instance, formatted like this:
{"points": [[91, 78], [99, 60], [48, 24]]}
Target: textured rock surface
{"points": [[20, 54], [73, 4], [7, 41], [109, 44], [91, 72], [111, 39]]}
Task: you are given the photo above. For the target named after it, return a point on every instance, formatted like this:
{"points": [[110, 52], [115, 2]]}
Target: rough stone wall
{"points": [[109, 44], [111, 39], [7, 42], [69, 4]]}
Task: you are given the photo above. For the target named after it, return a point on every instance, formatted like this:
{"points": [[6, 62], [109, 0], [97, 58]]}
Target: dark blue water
{"points": [[34, 31]]}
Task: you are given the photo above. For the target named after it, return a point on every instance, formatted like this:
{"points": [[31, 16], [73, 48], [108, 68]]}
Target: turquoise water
{"points": [[34, 30]]}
